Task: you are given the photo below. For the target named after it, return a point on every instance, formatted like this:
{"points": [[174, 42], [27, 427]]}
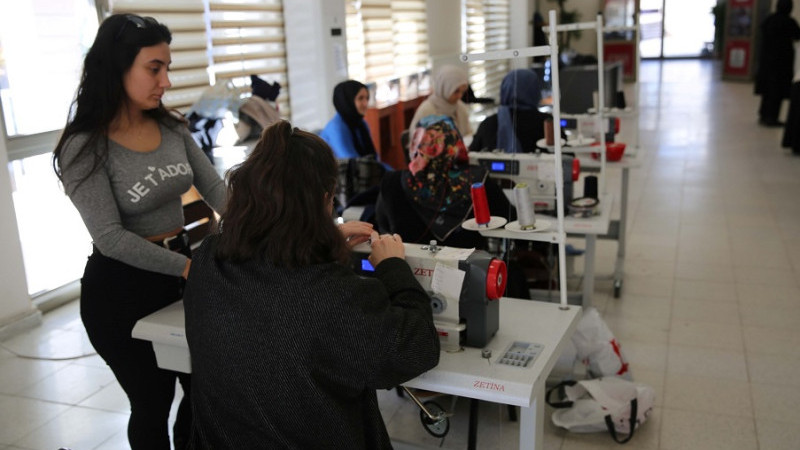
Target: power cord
{"points": [[42, 358]]}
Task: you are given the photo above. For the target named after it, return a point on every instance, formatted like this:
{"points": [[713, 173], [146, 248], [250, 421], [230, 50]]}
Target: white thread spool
{"points": [[525, 213]]}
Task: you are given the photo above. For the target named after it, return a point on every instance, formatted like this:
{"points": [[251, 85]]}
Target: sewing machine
{"points": [[583, 129], [464, 285], [537, 170]]}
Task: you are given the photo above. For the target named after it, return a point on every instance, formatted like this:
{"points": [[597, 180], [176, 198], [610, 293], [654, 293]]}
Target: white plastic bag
{"points": [[597, 348], [604, 404]]}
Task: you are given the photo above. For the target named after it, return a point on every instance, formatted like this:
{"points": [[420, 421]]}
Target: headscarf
{"points": [[439, 177], [784, 7], [446, 80], [519, 91], [344, 96]]}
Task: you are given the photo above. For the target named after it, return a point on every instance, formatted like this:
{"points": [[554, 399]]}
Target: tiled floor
{"points": [[709, 313]]}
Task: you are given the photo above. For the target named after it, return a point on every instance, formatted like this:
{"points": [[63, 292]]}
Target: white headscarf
{"points": [[445, 81]]}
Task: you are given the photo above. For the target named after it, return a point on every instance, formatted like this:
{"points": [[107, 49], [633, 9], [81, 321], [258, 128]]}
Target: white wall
{"points": [[444, 31], [16, 310], [316, 60], [520, 28]]}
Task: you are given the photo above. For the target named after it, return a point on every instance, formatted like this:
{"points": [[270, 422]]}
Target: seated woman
{"points": [[347, 132], [449, 84], [518, 123], [288, 344], [432, 197]]}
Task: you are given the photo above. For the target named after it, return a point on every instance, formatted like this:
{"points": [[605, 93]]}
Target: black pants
{"points": [[114, 296], [770, 106]]}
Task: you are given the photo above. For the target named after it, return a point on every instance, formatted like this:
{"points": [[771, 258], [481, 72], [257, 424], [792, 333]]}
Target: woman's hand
{"points": [[356, 232], [386, 246]]}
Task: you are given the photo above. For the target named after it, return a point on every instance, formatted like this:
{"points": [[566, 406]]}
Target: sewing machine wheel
{"points": [[438, 428]]}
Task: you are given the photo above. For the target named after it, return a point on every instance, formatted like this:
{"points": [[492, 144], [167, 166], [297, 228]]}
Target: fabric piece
{"points": [[255, 115], [263, 89]]}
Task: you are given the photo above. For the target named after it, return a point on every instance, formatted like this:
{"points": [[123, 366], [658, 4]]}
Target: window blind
{"points": [[386, 38], [410, 36], [376, 18], [487, 29], [185, 19], [356, 60], [247, 38]]}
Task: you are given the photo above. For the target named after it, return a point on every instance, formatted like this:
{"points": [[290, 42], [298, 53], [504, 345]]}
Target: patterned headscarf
{"points": [[439, 177]]}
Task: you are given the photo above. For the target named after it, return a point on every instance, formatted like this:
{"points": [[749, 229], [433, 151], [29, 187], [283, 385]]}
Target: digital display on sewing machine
{"points": [[366, 266], [569, 123], [510, 167]]}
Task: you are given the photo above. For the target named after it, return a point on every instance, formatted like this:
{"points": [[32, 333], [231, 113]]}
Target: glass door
{"points": [[651, 28], [677, 28]]}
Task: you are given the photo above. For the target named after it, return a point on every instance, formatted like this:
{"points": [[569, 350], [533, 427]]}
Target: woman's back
{"points": [[271, 344]]}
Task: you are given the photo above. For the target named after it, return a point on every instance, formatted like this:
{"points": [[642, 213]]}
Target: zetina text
{"points": [[488, 386]]}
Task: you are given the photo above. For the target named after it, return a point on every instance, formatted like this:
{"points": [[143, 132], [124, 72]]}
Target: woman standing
{"points": [[124, 162], [449, 85], [288, 344], [347, 132], [779, 31]]}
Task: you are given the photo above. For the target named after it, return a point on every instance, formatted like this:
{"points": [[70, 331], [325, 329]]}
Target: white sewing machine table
{"points": [[465, 373], [618, 228], [589, 227]]}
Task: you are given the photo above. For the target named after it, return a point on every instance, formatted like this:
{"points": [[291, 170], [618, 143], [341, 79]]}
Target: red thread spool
{"points": [[479, 204]]}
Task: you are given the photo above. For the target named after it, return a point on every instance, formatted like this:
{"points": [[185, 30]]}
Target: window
{"points": [[487, 25], [54, 240], [247, 38], [386, 38], [42, 44], [410, 36], [356, 59]]}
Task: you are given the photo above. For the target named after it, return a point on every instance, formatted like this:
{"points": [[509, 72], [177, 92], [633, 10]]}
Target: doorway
{"points": [[676, 28]]}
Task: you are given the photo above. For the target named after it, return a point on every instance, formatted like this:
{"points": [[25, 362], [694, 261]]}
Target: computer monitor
{"points": [[579, 83]]}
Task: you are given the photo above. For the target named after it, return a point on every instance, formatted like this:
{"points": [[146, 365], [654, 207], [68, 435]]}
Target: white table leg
{"points": [[531, 422], [588, 270]]}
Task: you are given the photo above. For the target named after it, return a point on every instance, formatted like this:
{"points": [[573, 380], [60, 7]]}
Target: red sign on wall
{"points": [[621, 51], [737, 58]]}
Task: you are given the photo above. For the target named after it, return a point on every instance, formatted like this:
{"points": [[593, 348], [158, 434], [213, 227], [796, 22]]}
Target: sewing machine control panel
{"points": [[500, 166], [520, 354]]}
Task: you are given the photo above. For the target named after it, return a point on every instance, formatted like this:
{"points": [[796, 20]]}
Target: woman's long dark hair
{"points": [[279, 202], [101, 94]]}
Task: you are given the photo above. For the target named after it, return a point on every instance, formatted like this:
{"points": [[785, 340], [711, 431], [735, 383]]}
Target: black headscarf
{"points": [[784, 7], [344, 96]]}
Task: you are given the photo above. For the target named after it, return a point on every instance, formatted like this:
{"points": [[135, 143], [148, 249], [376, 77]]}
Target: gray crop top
{"points": [[138, 194]]}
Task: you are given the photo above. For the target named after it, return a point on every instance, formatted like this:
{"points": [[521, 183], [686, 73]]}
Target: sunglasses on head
{"points": [[139, 22]]}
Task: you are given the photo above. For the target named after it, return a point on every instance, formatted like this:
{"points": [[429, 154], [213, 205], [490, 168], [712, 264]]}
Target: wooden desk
{"points": [[386, 124]]}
